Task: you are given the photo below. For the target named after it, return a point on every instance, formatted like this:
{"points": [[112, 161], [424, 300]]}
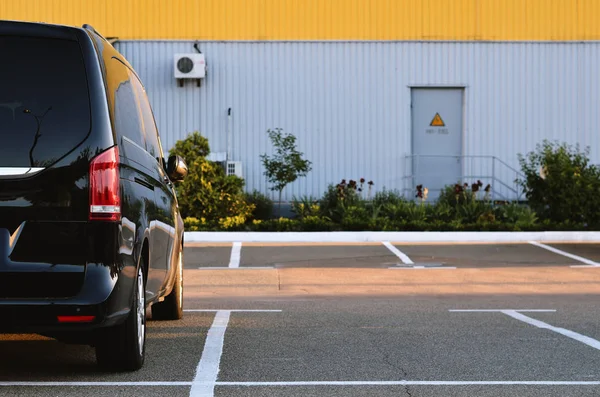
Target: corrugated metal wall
{"points": [[349, 103], [321, 19]]}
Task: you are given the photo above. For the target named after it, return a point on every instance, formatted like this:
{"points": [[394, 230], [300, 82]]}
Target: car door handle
{"points": [[143, 183]]}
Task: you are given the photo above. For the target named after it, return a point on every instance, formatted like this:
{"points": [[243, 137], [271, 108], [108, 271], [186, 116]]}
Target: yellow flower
{"points": [[231, 221]]}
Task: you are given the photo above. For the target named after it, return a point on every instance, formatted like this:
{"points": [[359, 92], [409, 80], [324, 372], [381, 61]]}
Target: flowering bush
{"points": [[305, 207], [208, 193], [344, 195]]}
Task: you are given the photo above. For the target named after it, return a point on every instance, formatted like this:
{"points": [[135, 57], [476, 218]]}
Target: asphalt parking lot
{"points": [[354, 320]]}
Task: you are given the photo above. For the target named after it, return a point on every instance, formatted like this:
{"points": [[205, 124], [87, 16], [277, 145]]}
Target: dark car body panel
{"points": [[53, 259]]}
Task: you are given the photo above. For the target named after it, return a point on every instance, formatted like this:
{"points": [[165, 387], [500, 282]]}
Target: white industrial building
{"points": [[398, 113]]}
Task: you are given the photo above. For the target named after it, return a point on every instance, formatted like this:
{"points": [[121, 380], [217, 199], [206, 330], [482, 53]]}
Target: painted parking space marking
{"points": [[210, 362], [209, 365], [403, 257], [231, 311], [93, 384], [588, 262], [236, 251], [517, 315], [568, 333], [414, 383], [237, 268], [417, 267], [310, 383], [502, 310], [206, 378], [409, 264]]}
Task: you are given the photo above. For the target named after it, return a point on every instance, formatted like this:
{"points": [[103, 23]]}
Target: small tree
{"points": [[286, 165]]}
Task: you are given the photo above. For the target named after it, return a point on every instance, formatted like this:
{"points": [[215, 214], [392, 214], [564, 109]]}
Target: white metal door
{"points": [[437, 115]]}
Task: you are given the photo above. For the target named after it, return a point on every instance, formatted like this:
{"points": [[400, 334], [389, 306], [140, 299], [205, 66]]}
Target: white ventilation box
{"points": [[189, 66], [234, 168]]}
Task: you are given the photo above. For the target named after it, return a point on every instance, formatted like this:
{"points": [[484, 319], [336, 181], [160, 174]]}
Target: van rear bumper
{"points": [[105, 295]]}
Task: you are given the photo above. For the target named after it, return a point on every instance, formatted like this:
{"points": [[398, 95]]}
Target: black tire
{"points": [[123, 347], [172, 307]]}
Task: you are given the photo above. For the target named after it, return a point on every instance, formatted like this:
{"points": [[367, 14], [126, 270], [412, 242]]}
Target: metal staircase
{"points": [[488, 169]]}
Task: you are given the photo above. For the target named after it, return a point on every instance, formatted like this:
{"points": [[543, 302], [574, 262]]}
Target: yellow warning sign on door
{"points": [[437, 121]]}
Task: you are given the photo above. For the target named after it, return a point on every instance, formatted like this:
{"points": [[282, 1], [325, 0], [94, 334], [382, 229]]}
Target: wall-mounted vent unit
{"points": [[234, 168], [189, 66]]}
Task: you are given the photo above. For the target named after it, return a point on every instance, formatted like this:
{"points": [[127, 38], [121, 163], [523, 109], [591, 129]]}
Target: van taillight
{"points": [[105, 199]]}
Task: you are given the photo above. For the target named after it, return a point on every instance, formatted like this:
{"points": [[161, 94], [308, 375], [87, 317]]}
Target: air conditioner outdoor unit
{"points": [[234, 168], [189, 66]]}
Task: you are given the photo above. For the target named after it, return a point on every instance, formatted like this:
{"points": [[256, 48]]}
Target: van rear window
{"points": [[44, 100]]}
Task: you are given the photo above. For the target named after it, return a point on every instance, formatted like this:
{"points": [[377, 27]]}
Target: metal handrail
{"points": [[496, 181]]}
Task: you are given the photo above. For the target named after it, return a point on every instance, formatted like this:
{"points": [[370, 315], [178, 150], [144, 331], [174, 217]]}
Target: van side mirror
{"points": [[176, 168]]}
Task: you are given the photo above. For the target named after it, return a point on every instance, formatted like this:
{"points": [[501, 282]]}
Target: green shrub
{"points": [[191, 224], [457, 195], [395, 211], [517, 214], [356, 218], [313, 223], [560, 183], [263, 205], [337, 198], [386, 197], [472, 211], [440, 212], [403, 210], [306, 206], [356, 222], [207, 193], [416, 212], [277, 225]]}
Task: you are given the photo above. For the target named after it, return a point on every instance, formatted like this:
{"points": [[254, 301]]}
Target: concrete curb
{"points": [[417, 237]]}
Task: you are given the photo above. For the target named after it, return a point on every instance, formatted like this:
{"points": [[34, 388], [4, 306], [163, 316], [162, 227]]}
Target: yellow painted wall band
{"points": [[468, 20]]}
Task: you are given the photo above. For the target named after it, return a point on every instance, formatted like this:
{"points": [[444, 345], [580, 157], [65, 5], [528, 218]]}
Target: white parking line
{"points": [[233, 311], [236, 268], [208, 367], [91, 384], [423, 268], [210, 361], [403, 257], [501, 310], [540, 324], [311, 383], [588, 262], [414, 383], [236, 250]]}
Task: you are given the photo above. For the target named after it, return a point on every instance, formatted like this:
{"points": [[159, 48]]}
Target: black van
{"points": [[90, 230]]}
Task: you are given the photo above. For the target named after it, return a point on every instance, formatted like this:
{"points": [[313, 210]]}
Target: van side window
{"points": [[151, 132], [127, 117]]}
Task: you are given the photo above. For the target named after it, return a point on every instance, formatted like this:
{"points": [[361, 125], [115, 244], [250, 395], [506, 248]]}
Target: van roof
{"points": [[28, 28]]}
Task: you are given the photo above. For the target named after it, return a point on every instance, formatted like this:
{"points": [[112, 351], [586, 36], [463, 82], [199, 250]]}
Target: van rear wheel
{"points": [[123, 347], [172, 307]]}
